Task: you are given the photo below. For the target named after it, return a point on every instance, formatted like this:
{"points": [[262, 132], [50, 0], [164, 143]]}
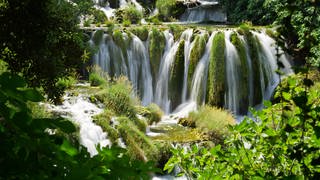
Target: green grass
{"points": [[212, 119]]}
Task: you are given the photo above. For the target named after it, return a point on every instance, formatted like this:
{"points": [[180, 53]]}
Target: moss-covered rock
{"points": [[141, 32], [195, 55], [139, 146], [253, 45], [119, 40], [156, 48], [244, 73], [104, 121], [216, 75], [152, 113], [177, 76], [97, 37]]}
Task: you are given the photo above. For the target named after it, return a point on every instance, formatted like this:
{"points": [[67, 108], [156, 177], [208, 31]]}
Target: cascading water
{"points": [[161, 96], [80, 110], [200, 75], [248, 80], [232, 74]]}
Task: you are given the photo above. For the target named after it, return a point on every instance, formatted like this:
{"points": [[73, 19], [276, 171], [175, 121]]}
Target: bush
{"points": [[118, 97], [170, 9], [279, 142], [212, 119], [152, 112], [130, 13], [66, 82], [95, 79], [126, 23]]}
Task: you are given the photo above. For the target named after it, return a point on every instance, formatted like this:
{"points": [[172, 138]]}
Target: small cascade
{"points": [[187, 51], [80, 110], [248, 68], [203, 10], [138, 59], [232, 74], [162, 96], [198, 90]]}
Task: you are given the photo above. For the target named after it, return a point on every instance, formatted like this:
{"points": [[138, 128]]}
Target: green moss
{"points": [[212, 121], [176, 30], [117, 97], [195, 55], [152, 112], [104, 121], [156, 49], [141, 32], [177, 76], [97, 37], [139, 146], [244, 73], [253, 44], [119, 40], [216, 75]]}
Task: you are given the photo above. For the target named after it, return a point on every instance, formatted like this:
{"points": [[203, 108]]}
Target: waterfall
{"points": [[249, 62], [187, 50], [200, 75], [161, 96], [138, 60], [232, 74]]}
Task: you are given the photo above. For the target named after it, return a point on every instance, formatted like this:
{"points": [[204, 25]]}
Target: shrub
{"points": [[212, 119], [95, 79], [132, 14], [279, 142], [66, 82], [141, 32], [119, 98], [170, 9], [126, 23], [152, 112]]}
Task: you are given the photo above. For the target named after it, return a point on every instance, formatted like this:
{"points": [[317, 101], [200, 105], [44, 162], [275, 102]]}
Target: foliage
{"points": [[152, 112], [29, 151], [298, 24], [239, 11], [96, 80], [66, 82], [37, 53], [281, 142], [118, 97], [169, 8], [139, 146], [212, 119], [129, 13], [141, 32]]}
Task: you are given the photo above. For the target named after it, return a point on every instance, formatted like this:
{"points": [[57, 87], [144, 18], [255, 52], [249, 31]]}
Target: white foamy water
{"points": [[80, 110]]}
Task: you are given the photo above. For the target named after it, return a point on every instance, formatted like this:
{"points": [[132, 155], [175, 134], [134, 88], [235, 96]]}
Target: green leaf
{"points": [[271, 132], [286, 96], [64, 125], [32, 95], [68, 148]]}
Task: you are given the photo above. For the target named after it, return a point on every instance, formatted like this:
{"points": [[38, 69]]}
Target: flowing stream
{"points": [[81, 110]]}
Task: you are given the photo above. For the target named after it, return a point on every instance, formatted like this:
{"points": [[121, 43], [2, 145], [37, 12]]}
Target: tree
{"points": [[44, 39], [239, 11], [298, 24]]}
